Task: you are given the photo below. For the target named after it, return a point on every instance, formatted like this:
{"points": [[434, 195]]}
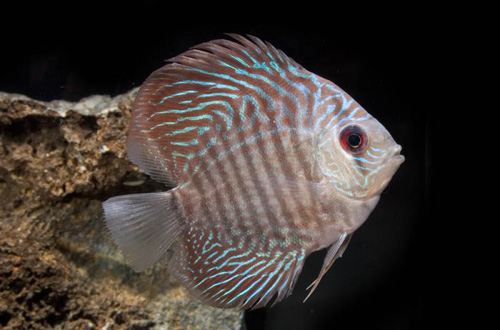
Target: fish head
{"points": [[357, 156]]}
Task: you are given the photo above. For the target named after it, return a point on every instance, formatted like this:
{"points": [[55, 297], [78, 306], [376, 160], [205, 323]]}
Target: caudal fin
{"points": [[143, 226]]}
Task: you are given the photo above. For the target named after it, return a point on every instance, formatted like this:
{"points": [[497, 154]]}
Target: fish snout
{"points": [[396, 154]]}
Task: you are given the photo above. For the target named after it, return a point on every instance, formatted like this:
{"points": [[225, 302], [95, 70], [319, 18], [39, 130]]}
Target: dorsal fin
{"points": [[211, 92]]}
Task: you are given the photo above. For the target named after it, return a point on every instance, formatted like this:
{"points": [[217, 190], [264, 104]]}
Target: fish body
{"points": [[270, 163]]}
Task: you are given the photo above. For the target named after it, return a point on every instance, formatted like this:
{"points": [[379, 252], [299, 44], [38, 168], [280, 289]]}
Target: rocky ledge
{"points": [[58, 266]]}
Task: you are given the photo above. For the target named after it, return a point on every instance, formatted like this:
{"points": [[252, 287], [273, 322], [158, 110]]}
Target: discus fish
{"points": [[270, 163]]}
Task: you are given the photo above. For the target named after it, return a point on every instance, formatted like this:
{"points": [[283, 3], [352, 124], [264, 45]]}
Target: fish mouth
{"points": [[395, 161], [396, 155]]}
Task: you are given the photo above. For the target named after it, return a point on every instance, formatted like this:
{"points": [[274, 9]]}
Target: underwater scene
{"points": [[244, 176]]}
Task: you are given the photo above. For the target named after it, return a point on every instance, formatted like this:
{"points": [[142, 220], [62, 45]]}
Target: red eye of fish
{"points": [[353, 139]]}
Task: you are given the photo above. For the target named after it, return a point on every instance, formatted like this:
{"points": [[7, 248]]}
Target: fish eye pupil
{"points": [[354, 140]]}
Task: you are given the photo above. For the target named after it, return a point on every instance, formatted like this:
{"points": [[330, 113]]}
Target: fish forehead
{"points": [[221, 92]]}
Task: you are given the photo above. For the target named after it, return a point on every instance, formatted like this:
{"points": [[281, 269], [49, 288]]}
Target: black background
{"points": [[380, 283]]}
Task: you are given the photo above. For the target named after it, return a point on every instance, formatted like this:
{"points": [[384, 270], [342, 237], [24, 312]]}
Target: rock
{"points": [[58, 265]]}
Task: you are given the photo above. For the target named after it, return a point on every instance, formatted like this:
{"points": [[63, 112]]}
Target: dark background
{"points": [[382, 62]]}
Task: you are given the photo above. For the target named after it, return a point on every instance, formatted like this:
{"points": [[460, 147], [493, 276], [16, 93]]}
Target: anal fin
{"points": [[143, 226], [229, 277]]}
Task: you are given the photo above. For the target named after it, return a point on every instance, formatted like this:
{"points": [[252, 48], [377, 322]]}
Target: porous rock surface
{"points": [[58, 265]]}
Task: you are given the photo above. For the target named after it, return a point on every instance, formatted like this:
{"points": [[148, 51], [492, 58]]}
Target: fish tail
{"points": [[143, 226]]}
